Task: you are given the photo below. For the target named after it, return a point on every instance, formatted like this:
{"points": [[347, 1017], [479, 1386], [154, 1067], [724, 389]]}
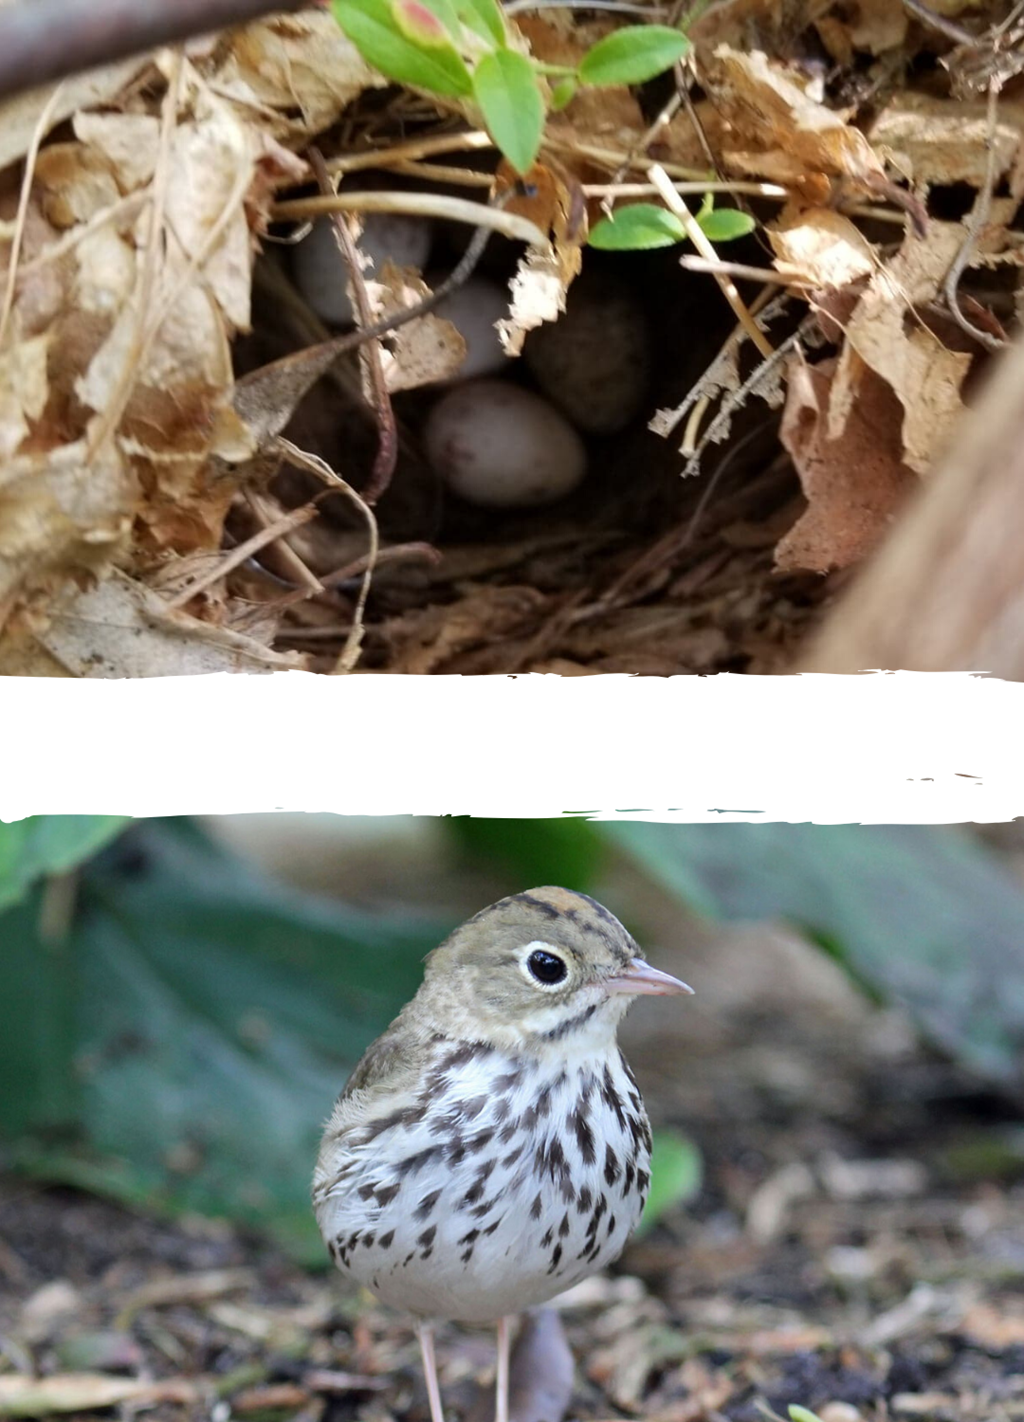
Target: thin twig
{"points": [[124, 207], [742, 272], [443, 173], [978, 217], [264, 511], [387, 433], [675, 204], [692, 189], [39, 133], [476, 214], [240, 554], [43, 40], [149, 268], [928, 17], [349, 654], [736, 400], [415, 148], [395, 553]]}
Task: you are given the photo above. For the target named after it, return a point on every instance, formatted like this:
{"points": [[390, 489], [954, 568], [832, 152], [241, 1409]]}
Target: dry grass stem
{"points": [[240, 554], [369, 352], [475, 214], [349, 655], [42, 128], [675, 204], [416, 148]]}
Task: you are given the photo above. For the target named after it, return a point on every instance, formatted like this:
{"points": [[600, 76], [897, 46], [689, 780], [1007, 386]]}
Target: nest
{"points": [[199, 476]]}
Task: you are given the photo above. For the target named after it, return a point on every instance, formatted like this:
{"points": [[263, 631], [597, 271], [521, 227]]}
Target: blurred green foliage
{"points": [[571, 852], [49, 844], [920, 916], [182, 1044], [676, 1174]]}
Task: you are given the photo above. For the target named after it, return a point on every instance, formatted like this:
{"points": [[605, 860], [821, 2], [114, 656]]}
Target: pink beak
{"points": [[640, 978]]}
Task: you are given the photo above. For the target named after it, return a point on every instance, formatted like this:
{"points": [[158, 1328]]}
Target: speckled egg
{"points": [[502, 447]]}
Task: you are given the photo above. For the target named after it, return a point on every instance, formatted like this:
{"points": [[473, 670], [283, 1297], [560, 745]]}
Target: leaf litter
{"points": [[167, 398]]}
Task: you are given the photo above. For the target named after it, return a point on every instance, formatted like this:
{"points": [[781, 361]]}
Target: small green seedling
{"points": [[642, 226], [462, 49], [802, 1414]]}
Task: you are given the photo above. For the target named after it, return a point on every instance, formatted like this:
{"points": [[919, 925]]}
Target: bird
{"points": [[491, 1147]]}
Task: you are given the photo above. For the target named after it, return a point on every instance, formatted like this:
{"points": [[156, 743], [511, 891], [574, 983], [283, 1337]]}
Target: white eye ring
{"points": [[544, 966]]}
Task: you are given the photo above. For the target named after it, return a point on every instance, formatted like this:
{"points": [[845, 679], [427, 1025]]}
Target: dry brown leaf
{"points": [[69, 508], [883, 335], [121, 628], [539, 289], [421, 352], [779, 129], [874, 27], [293, 64], [854, 484], [821, 246], [24, 389], [22, 1396], [19, 117], [933, 139]]}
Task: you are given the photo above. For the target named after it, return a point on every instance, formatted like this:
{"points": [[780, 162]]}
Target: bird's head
{"points": [[549, 970]]}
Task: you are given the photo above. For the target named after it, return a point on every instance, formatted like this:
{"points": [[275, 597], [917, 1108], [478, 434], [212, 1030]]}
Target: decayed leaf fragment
{"points": [[122, 628], [886, 336], [933, 139], [780, 132], [422, 351], [542, 279], [820, 246], [854, 483]]}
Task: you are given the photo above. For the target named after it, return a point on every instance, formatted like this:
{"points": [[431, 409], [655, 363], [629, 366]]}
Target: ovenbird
{"points": [[491, 1148]]}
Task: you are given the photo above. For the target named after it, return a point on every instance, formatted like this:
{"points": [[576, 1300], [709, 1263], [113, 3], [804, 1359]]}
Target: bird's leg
{"points": [[425, 1334], [501, 1378]]}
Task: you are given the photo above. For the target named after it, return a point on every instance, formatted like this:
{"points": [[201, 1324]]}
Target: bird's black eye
{"points": [[547, 968]]}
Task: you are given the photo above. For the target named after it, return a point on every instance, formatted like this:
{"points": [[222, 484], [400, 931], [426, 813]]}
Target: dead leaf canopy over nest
{"points": [[134, 202]]}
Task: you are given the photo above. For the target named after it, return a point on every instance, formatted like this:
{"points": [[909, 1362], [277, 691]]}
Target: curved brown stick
{"points": [[42, 40]]}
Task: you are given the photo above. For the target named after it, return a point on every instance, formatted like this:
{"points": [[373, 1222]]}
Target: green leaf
{"points": [[638, 227], [210, 1019], [373, 29], [563, 92], [566, 851], [802, 1414], [724, 224], [920, 916], [49, 844], [633, 54], [676, 1174], [484, 17], [432, 24], [505, 87]]}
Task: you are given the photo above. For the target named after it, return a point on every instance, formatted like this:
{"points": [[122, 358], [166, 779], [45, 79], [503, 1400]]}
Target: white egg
{"points": [[594, 362], [503, 447], [474, 308], [319, 268]]}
